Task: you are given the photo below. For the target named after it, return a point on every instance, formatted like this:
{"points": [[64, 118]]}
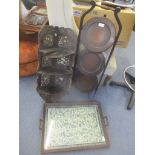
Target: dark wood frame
{"points": [[78, 147]]}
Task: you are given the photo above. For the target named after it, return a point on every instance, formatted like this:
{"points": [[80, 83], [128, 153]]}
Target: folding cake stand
{"points": [[115, 10]]}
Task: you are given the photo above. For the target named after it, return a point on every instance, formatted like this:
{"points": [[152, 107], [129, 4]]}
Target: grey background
{"points": [[113, 101]]}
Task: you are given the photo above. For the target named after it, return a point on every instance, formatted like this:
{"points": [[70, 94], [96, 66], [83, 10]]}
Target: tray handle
{"points": [[40, 124], [105, 121]]}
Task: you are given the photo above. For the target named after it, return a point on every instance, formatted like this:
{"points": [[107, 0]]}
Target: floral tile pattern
{"points": [[72, 125]]}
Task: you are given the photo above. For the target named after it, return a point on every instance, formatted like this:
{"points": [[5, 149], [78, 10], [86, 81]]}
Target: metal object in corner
{"points": [[56, 58]]}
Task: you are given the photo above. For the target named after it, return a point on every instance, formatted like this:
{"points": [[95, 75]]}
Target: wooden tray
{"points": [[73, 126]]}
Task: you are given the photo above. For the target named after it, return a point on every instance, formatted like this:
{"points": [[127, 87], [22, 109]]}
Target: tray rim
{"points": [[78, 147]]}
